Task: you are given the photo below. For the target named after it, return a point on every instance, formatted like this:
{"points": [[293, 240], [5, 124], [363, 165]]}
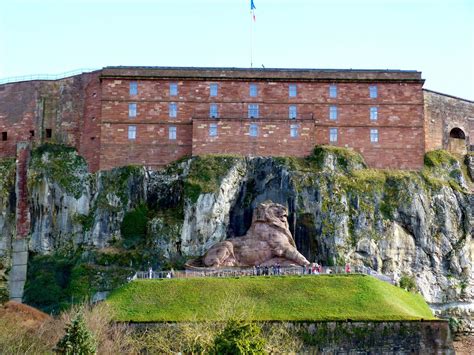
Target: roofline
{"points": [[258, 69], [451, 96], [274, 74]]}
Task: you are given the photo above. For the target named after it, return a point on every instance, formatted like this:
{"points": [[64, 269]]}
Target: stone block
{"points": [[20, 258], [18, 273], [19, 245], [16, 289]]}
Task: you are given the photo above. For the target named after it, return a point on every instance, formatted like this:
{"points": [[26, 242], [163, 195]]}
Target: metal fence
{"points": [[262, 271], [13, 79]]}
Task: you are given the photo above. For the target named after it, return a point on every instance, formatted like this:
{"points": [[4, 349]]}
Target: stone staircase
{"points": [[17, 275]]}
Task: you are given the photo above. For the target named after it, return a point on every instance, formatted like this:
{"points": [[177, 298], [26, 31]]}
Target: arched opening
{"points": [[457, 141], [457, 133]]}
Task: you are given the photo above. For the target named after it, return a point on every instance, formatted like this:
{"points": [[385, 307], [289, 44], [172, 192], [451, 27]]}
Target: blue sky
{"points": [[53, 36]]}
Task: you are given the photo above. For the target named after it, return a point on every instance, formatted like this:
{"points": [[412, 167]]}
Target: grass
{"points": [[287, 298]]}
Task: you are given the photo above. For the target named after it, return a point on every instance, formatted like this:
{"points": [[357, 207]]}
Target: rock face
{"points": [[410, 225], [267, 242]]}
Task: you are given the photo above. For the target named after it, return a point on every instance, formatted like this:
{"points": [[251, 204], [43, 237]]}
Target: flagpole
{"points": [[251, 38]]}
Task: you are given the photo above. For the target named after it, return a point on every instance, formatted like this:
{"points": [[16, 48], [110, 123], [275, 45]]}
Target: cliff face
{"points": [[415, 225]]}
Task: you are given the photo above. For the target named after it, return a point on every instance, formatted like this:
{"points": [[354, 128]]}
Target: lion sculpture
{"points": [[268, 241]]}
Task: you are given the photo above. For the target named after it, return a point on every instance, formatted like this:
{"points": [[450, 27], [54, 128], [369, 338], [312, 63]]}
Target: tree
{"points": [[239, 338], [78, 340]]}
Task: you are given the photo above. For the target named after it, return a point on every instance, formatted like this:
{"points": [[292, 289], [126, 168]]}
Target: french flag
{"points": [[252, 8]]}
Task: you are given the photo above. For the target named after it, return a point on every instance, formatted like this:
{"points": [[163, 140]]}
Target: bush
{"points": [[77, 340], [239, 337], [408, 283]]}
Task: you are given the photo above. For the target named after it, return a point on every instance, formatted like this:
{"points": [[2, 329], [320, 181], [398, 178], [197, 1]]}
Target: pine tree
{"points": [[78, 340]]}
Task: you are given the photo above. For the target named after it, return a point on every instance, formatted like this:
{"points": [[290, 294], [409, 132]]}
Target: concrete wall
{"points": [[442, 114]]}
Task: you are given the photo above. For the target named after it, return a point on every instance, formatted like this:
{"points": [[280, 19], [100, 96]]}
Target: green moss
{"points": [[116, 183], [7, 177], [205, 174], [439, 159], [86, 220], [61, 164], [346, 159]]}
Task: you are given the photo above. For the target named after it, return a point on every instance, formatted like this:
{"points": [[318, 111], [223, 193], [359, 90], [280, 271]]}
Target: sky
{"points": [[54, 36]]}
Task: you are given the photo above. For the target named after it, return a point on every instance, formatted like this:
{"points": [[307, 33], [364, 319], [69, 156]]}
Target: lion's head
{"points": [[273, 214]]}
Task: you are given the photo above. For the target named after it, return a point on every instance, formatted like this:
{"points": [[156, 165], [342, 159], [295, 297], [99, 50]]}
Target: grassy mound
{"points": [[295, 298]]}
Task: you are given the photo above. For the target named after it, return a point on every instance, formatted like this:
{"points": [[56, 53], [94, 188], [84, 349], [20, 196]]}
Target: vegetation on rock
{"points": [[60, 164], [205, 174]]}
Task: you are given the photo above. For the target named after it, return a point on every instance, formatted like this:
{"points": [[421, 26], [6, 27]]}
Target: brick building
{"points": [[154, 115]]}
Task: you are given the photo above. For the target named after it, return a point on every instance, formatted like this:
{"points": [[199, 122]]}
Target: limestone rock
{"points": [[267, 242]]}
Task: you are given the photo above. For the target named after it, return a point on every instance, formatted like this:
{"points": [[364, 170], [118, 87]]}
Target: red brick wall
{"points": [[273, 137], [21, 188], [18, 110], [65, 106], [90, 138], [90, 112]]}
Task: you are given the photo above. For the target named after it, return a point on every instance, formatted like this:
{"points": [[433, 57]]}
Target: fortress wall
{"points": [[442, 114], [30, 110], [273, 139], [400, 118], [90, 112]]}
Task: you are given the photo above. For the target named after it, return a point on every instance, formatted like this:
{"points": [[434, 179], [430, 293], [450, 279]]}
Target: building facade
{"points": [[155, 115]]}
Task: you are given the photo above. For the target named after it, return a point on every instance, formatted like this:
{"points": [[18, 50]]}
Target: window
{"points": [[213, 90], [173, 89], [213, 130], [253, 130], [333, 135], [173, 110], [374, 135], [292, 112], [332, 91], [4, 136], [333, 113], [253, 90], [49, 132], [132, 110], [294, 131], [213, 111], [292, 90], [172, 132], [374, 112], [32, 133], [132, 132], [133, 88], [373, 91], [253, 110]]}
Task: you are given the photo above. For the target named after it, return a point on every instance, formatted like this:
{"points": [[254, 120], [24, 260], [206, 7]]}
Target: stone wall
{"points": [[419, 337], [399, 121], [63, 111], [376, 337], [442, 114], [90, 111]]}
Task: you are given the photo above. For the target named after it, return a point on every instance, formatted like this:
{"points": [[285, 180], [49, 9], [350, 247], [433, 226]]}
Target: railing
{"points": [[262, 271], [13, 79]]}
